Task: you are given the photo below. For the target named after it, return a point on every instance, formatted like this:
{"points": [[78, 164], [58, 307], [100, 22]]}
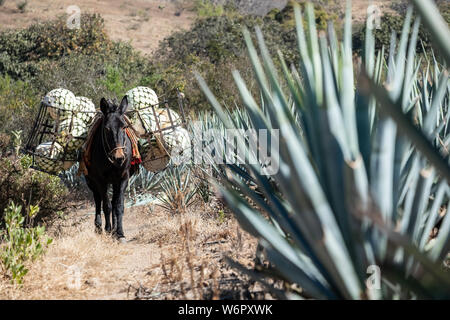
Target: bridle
{"points": [[107, 147]]}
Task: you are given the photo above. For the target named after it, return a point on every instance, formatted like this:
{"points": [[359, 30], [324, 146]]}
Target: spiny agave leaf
{"points": [[396, 85], [213, 101], [391, 59], [301, 171], [295, 91], [431, 270], [434, 213], [405, 126], [410, 170], [303, 49], [436, 25], [263, 229], [409, 75], [441, 246], [314, 52], [280, 294], [312, 287], [395, 274], [347, 97], [382, 166], [333, 178], [438, 97], [256, 115], [273, 75], [310, 101], [257, 67], [262, 80], [336, 123], [402, 164], [413, 221], [333, 50]]}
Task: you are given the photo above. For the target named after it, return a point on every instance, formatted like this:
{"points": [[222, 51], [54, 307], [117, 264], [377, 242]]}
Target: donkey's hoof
{"points": [[122, 240], [98, 230]]}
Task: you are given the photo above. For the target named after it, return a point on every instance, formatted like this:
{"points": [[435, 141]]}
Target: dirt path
{"points": [[166, 257]]}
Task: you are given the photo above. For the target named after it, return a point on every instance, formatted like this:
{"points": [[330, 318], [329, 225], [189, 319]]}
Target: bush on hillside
{"points": [[394, 22], [214, 46], [28, 187], [18, 104], [86, 61], [96, 75], [21, 51], [22, 244]]}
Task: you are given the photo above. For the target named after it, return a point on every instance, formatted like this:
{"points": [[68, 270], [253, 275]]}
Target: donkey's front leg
{"points": [[118, 207], [98, 205], [107, 209]]}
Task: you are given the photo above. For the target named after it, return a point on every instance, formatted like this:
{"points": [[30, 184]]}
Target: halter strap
{"points": [[106, 146]]}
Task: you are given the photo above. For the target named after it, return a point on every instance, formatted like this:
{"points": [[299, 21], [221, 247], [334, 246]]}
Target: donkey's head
{"points": [[114, 125]]}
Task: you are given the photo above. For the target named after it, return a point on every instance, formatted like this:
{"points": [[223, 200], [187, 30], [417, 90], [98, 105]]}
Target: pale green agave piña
{"points": [[356, 187]]}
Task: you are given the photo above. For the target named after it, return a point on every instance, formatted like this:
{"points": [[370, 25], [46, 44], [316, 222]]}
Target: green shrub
{"points": [[25, 186], [213, 47], [18, 104], [107, 73], [205, 8], [22, 5], [19, 244], [5, 141], [21, 51], [394, 22], [48, 55], [322, 13]]}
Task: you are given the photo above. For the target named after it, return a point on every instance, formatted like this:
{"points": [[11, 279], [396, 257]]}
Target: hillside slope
{"points": [[142, 22]]}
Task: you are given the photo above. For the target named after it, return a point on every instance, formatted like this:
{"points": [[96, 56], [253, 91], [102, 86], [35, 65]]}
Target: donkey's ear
{"points": [[123, 105], [104, 106]]}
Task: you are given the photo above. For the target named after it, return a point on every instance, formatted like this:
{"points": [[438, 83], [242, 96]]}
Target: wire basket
{"points": [[155, 125], [59, 133], [56, 137]]}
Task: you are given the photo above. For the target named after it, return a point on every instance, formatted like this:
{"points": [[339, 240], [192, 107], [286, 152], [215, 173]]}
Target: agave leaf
{"points": [[347, 97], [409, 73], [263, 229], [280, 294], [441, 246], [311, 287], [395, 86], [405, 126], [436, 25], [413, 221], [438, 97], [433, 214]]}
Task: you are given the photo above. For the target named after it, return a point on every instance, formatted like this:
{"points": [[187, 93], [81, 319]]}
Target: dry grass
{"points": [[166, 257]]}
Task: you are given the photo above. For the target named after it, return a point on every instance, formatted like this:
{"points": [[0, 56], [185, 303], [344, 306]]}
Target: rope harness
{"points": [[86, 152], [107, 147]]}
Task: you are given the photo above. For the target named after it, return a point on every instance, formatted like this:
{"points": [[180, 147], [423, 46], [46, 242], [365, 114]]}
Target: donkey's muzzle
{"points": [[118, 153]]}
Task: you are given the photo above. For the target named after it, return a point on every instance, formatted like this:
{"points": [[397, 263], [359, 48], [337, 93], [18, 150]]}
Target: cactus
{"points": [[363, 164]]}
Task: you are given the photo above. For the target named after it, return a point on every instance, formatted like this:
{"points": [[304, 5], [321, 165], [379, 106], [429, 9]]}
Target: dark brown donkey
{"points": [[110, 163]]}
